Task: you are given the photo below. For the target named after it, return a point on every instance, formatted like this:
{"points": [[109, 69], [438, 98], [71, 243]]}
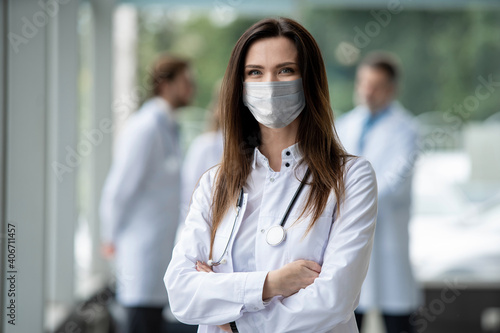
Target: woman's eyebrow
{"points": [[254, 66], [288, 63]]}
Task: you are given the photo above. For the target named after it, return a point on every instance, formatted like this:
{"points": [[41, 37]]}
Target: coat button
{"points": [[287, 153], [287, 164]]}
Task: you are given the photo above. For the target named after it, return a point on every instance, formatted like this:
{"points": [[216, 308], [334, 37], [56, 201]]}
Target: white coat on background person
{"points": [[390, 144], [140, 200], [204, 152], [140, 203]]}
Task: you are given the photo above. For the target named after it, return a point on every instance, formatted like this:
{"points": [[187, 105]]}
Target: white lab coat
{"points": [[391, 147], [341, 244], [140, 204]]}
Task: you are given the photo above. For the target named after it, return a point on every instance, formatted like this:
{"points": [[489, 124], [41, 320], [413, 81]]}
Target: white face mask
{"points": [[274, 104]]}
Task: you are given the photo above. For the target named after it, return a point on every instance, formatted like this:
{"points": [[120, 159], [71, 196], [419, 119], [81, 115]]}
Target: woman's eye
{"points": [[254, 72], [287, 70]]}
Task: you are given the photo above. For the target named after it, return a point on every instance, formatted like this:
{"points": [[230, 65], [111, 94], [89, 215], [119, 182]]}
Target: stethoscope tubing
{"points": [[294, 198], [239, 204]]}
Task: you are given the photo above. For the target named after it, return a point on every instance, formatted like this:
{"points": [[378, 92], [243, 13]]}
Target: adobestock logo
{"points": [[449, 294], [39, 20], [372, 29], [349, 52]]}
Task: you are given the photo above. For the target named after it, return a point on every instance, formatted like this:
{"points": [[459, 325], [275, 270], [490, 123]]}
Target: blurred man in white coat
{"points": [[140, 200], [382, 131]]}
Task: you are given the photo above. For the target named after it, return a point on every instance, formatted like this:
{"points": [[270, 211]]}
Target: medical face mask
{"points": [[274, 104]]}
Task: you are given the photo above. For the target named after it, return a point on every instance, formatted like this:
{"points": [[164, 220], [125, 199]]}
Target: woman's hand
{"points": [[202, 267], [108, 250], [290, 278], [225, 328]]}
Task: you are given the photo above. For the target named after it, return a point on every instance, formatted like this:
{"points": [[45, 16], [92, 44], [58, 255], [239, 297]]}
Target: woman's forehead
{"points": [[271, 50]]}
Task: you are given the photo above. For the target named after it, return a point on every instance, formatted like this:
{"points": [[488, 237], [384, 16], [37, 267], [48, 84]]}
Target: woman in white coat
{"points": [[278, 236]]}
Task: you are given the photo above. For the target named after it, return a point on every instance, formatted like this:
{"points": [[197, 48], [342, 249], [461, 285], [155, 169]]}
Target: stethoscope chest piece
{"points": [[275, 235]]}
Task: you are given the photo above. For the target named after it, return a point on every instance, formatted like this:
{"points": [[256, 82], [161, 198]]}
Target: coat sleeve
{"points": [[332, 298], [207, 298], [130, 165]]}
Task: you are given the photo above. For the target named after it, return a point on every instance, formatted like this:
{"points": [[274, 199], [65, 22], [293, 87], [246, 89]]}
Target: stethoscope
{"points": [[276, 234], [239, 204]]}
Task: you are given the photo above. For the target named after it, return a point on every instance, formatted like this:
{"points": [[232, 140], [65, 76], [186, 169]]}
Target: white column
{"points": [[127, 93], [61, 175], [26, 163], [101, 117]]}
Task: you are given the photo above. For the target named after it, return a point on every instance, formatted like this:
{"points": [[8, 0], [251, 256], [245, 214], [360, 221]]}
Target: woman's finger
{"points": [[202, 267], [313, 266]]}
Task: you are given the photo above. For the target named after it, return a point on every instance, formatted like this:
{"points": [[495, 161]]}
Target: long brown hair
{"points": [[317, 139]]}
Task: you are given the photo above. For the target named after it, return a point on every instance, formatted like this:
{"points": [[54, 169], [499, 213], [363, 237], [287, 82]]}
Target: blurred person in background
{"points": [[383, 132], [140, 200], [204, 152]]}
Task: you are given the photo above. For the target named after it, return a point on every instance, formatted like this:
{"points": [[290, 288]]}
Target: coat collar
{"points": [[291, 155]]}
